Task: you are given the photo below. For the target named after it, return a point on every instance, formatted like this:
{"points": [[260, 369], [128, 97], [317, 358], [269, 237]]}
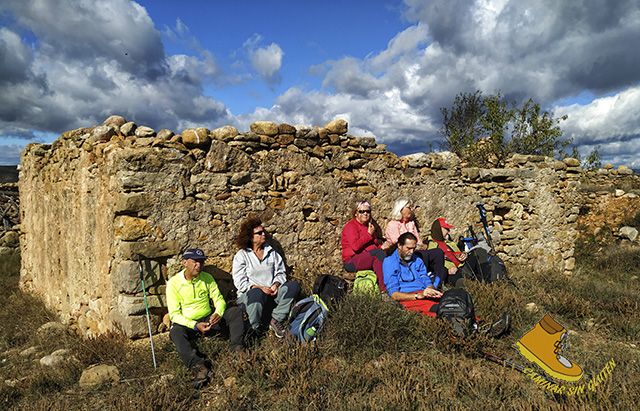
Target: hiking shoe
{"points": [[277, 327], [200, 376], [239, 354], [501, 326], [251, 337], [496, 328], [544, 346]]}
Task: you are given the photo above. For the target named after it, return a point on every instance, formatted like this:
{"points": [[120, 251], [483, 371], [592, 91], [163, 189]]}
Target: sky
{"points": [[385, 66]]}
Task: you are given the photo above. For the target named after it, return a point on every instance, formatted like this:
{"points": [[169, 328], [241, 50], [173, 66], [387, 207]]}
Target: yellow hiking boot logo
{"points": [[544, 346]]}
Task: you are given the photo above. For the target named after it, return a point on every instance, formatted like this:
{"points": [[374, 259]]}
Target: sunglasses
{"points": [[364, 211], [260, 232]]}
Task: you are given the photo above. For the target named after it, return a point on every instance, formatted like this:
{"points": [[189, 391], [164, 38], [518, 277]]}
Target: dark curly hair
{"points": [[246, 232]]}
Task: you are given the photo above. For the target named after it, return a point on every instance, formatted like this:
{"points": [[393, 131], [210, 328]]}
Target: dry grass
{"points": [[371, 355]]}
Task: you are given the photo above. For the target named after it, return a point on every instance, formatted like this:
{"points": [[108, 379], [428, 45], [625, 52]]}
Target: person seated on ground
{"points": [[401, 221], [362, 244], [188, 299], [259, 275], [456, 262], [407, 280]]}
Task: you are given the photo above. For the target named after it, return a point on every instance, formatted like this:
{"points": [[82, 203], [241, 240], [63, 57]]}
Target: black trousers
{"points": [[184, 338], [434, 260]]}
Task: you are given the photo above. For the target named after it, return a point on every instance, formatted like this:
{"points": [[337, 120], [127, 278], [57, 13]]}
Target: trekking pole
{"points": [[474, 241], [483, 218], [504, 361], [146, 307]]}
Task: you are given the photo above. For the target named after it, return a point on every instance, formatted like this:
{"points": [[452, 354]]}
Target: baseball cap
{"points": [[444, 224], [194, 254]]}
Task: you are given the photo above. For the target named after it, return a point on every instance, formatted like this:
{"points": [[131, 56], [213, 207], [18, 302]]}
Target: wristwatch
{"points": [[415, 296]]}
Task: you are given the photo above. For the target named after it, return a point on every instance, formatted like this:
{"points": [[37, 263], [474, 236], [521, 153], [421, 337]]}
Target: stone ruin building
{"points": [[98, 198]]}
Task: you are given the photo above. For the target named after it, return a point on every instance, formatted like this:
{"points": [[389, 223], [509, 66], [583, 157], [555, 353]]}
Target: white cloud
{"points": [[10, 154], [267, 61], [92, 60], [543, 50], [605, 119], [611, 124]]}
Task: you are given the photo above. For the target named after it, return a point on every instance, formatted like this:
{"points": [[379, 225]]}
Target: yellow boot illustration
{"points": [[544, 346]]}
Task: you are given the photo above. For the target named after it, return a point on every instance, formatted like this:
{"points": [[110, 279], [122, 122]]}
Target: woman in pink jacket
{"points": [[401, 221], [362, 245]]}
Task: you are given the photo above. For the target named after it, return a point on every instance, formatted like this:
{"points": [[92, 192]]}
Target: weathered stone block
{"points": [[624, 170], [268, 128], [114, 121], [103, 133], [210, 180], [225, 133], [145, 132], [443, 160], [572, 162], [165, 134], [285, 139], [131, 305], [338, 126], [368, 142], [150, 249], [99, 374], [125, 275], [238, 179], [129, 228], [629, 232], [416, 160], [222, 157], [133, 326], [286, 129], [196, 137]]}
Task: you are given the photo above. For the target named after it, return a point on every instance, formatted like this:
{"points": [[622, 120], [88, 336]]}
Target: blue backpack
{"points": [[306, 318]]}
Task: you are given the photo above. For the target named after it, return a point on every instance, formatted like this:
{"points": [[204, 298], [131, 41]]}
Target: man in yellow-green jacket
{"points": [[189, 297]]}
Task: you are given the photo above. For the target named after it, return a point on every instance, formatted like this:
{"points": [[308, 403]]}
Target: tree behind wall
{"points": [[486, 131]]}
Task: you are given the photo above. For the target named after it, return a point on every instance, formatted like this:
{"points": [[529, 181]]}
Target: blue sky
{"points": [[387, 67]]}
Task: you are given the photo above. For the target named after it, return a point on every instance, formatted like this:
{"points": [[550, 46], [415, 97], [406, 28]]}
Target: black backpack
{"points": [[456, 307], [497, 269], [330, 288], [492, 267]]}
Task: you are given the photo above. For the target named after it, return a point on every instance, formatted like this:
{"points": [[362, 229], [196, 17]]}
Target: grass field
{"points": [[8, 174], [371, 355]]}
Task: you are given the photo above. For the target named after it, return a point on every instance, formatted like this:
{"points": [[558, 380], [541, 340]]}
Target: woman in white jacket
{"points": [[259, 275]]}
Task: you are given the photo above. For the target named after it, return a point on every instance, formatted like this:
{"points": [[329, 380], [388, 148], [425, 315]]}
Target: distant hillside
{"points": [[8, 174]]}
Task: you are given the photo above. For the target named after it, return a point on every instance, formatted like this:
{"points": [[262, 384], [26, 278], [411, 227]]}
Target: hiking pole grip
{"points": [[146, 308]]}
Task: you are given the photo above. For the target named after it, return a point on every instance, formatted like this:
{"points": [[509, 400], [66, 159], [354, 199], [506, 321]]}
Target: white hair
{"points": [[397, 207]]}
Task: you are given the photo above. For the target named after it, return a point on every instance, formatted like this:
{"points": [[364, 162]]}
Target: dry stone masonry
{"points": [[9, 218], [98, 198]]}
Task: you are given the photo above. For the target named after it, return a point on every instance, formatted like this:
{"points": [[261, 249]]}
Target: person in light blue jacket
{"points": [[259, 275]]}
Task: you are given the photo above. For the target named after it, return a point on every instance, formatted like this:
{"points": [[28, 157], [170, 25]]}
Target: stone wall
{"points": [[97, 198], [9, 218]]}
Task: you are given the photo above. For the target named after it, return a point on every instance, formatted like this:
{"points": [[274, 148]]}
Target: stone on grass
{"points": [[56, 358], [629, 232], [52, 329], [97, 375], [29, 352]]}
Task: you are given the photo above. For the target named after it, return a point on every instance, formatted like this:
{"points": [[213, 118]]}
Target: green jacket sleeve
{"points": [[218, 300], [174, 304]]}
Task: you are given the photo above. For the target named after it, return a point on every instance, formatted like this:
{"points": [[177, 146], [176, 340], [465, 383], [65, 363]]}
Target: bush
{"points": [[484, 131]]}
